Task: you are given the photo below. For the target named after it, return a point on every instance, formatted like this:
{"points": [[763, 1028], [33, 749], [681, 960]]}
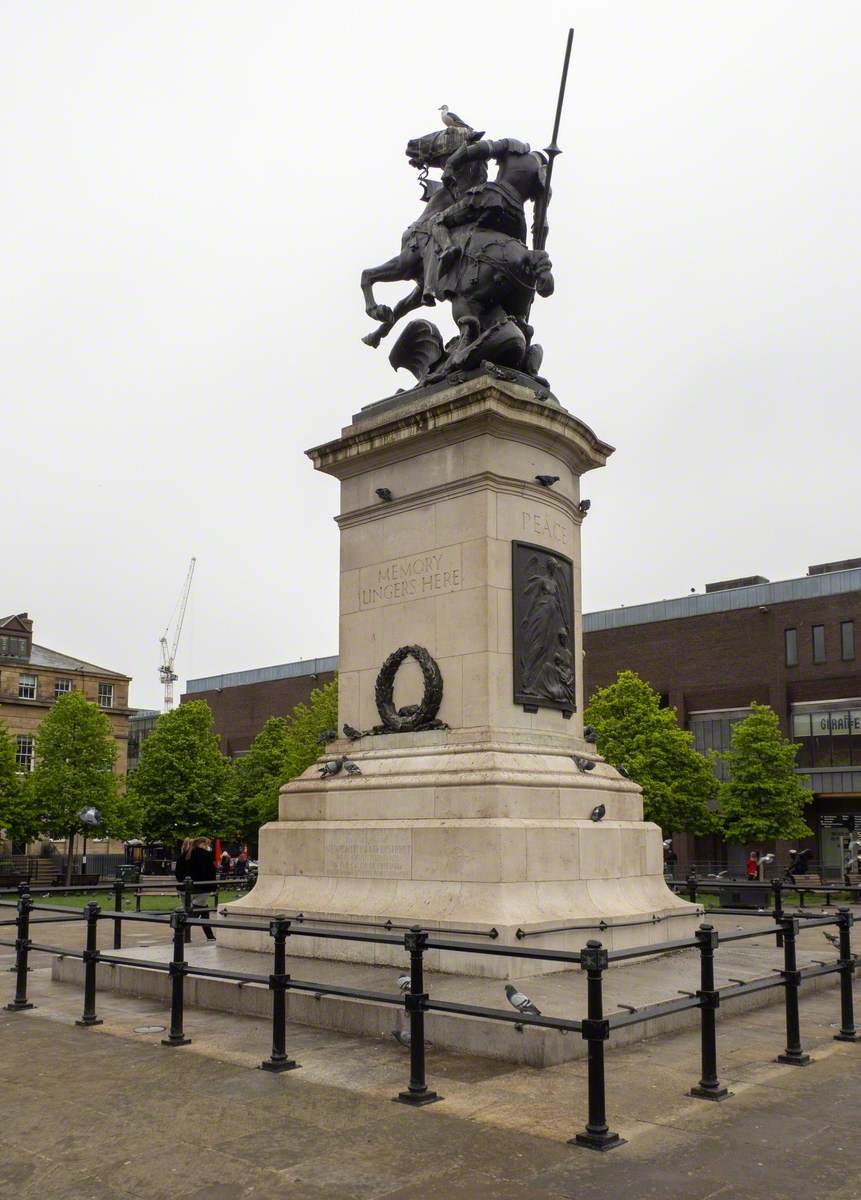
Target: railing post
{"points": [[279, 981], [709, 1086], [188, 903], [692, 886], [794, 1055], [91, 958], [22, 950], [137, 899], [777, 888], [415, 1001], [596, 1030], [176, 1037], [119, 887], [847, 969]]}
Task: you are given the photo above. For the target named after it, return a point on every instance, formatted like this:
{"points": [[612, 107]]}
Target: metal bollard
{"points": [[138, 900], [596, 1030], [847, 970], [91, 958], [415, 1002], [188, 903], [176, 1037], [709, 1086], [777, 888], [279, 981], [119, 887], [22, 950], [692, 886], [794, 1055]]}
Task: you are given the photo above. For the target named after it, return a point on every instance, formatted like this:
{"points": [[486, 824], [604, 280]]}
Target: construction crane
{"points": [[168, 656]]}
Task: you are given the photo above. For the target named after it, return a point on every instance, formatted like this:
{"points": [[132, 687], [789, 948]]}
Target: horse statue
{"points": [[468, 247]]}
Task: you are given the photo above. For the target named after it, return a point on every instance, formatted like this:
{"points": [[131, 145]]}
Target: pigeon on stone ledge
{"points": [[583, 764], [330, 768], [547, 480], [598, 812], [590, 734], [351, 733], [352, 768], [520, 1001]]}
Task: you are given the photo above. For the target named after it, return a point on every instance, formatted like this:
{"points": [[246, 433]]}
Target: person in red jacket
{"points": [[753, 865]]}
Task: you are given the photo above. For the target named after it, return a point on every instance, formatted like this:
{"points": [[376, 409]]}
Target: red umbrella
{"points": [[217, 853]]}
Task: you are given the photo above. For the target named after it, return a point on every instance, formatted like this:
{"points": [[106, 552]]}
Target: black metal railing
{"points": [[694, 886], [595, 1028]]}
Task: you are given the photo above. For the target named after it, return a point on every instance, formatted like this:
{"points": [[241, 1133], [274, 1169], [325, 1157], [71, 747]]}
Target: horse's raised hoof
{"points": [[379, 312], [372, 339]]}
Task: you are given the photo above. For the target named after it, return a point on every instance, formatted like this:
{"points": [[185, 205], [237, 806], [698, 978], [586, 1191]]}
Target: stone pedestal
{"points": [[485, 825]]}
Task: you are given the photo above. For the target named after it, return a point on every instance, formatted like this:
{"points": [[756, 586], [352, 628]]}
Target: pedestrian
{"points": [[242, 863], [225, 864], [753, 865], [195, 862]]}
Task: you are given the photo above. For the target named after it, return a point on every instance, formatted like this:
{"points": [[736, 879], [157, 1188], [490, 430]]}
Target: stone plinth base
{"points": [[488, 839]]}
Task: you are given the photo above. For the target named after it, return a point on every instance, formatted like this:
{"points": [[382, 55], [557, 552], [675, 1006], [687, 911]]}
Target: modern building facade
{"points": [[32, 678], [141, 724], [242, 702], [789, 644]]}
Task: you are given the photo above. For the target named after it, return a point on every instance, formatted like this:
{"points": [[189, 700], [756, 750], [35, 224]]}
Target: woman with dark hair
{"points": [[195, 862]]}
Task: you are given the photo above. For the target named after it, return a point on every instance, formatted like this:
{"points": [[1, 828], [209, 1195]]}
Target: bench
{"points": [[806, 881]]}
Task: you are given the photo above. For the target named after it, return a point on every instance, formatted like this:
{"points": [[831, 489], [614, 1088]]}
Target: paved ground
{"points": [[106, 1112]]}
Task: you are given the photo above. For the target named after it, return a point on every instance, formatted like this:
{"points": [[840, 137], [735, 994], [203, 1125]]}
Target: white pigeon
{"points": [[404, 983], [452, 120]]}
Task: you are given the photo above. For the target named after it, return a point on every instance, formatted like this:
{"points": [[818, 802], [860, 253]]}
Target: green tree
{"points": [[75, 755], [763, 797], [634, 732], [283, 749], [18, 815], [183, 784], [260, 774]]}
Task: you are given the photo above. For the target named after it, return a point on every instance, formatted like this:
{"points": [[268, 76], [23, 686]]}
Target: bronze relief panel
{"points": [[542, 588]]}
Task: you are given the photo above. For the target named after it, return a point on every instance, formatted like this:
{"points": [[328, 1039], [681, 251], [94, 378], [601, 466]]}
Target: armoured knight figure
{"points": [[469, 247], [497, 205]]}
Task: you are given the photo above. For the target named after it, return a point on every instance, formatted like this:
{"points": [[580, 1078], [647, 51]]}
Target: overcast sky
{"points": [[189, 191]]}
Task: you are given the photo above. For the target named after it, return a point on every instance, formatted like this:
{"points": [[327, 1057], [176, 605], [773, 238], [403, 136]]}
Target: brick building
{"points": [[32, 677], [243, 701], [789, 644]]}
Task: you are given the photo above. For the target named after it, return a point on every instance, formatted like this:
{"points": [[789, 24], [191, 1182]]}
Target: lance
{"points": [[539, 237]]}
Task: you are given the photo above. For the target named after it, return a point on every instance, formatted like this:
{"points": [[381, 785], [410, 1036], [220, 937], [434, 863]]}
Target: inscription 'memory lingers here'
{"points": [[432, 573]]}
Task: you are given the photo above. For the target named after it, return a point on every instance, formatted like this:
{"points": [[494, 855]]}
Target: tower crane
{"points": [[168, 656]]}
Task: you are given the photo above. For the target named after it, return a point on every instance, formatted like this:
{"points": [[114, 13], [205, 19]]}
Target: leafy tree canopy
{"points": [[75, 755], [763, 798], [183, 784], [634, 732], [283, 749], [18, 815]]}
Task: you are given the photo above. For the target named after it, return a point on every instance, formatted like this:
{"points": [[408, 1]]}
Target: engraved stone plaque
{"points": [[542, 588], [368, 853]]}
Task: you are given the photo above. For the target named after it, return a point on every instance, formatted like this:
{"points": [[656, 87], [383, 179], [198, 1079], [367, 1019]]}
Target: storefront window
{"points": [[828, 738]]}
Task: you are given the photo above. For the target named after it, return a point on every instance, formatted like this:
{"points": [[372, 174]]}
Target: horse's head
{"points": [[434, 149]]}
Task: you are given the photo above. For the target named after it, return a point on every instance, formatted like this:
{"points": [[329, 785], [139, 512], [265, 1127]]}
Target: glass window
{"points": [[847, 640], [791, 639], [819, 643], [12, 647], [24, 752], [106, 695], [62, 687], [801, 725], [26, 687]]}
